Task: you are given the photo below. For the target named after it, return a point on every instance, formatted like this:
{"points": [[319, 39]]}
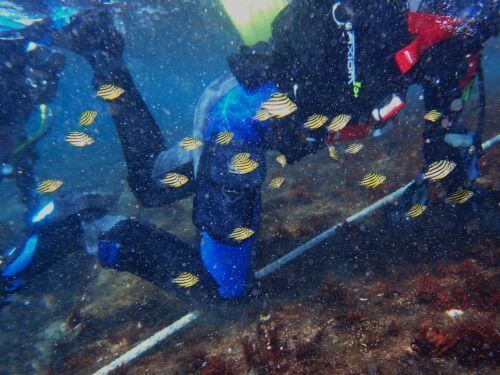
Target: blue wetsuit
{"points": [[226, 200]]}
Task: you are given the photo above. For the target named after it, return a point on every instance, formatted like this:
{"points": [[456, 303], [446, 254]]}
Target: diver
{"points": [[28, 79], [340, 74]]}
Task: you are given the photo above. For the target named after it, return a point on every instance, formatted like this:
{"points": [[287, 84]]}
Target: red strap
{"points": [[350, 133], [471, 71], [431, 29]]}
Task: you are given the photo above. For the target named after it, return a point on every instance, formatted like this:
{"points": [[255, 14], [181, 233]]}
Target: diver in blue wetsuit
{"points": [[347, 65]]}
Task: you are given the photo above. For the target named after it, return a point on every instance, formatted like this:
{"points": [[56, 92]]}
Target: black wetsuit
{"points": [[28, 78], [316, 77]]}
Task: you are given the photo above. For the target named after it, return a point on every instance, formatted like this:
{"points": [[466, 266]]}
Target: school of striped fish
{"points": [[278, 106]]}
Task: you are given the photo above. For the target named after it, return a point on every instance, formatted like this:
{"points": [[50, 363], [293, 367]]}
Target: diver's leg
{"points": [[93, 36], [37, 254], [156, 256], [225, 200], [60, 225]]}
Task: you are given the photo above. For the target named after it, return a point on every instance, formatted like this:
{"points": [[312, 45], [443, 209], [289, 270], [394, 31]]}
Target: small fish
{"points": [[48, 186], [281, 159], [190, 143], [354, 148], [439, 170], [79, 139], [87, 117], [186, 280], [279, 105], [224, 138], [461, 196], [110, 92], [262, 115], [276, 182], [432, 116], [372, 180], [472, 150], [332, 151], [242, 164], [175, 180], [338, 123], [242, 156], [264, 318], [241, 234], [316, 122], [416, 210]]}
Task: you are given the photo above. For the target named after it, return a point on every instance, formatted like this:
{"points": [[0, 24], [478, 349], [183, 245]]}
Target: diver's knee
{"points": [[222, 210]]}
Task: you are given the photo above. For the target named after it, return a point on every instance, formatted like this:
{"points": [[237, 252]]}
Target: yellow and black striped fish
{"points": [[354, 148], [416, 210], [315, 122], [242, 156], [109, 92], [332, 151], [79, 139], [186, 280], [175, 180], [279, 105], [262, 115], [276, 182], [338, 123], [190, 143], [242, 164], [87, 117], [48, 186], [224, 138], [281, 159], [432, 116], [439, 169], [461, 196], [372, 180], [241, 233]]}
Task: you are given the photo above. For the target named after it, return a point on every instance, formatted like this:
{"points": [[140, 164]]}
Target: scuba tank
{"points": [[253, 18]]}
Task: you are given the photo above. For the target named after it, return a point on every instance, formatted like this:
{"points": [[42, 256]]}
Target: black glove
{"points": [[93, 35]]}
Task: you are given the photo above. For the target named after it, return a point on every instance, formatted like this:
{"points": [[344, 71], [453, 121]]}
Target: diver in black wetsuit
{"points": [[342, 61], [28, 79]]}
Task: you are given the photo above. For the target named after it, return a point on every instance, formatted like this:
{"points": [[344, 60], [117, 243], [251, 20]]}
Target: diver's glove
{"points": [[93, 35]]}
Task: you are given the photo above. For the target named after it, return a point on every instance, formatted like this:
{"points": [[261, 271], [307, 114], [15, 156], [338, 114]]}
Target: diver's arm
{"points": [[445, 77]]}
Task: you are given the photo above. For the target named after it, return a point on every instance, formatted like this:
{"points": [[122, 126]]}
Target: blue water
{"points": [[174, 50], [173, 53]]}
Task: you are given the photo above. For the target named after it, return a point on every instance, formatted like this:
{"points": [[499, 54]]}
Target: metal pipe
{"points": [[149, 343]]}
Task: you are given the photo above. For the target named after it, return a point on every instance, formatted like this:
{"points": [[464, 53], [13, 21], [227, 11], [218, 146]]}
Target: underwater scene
{"points": [[249, 187]]}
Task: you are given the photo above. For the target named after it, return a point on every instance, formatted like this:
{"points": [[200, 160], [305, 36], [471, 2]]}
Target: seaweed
{"points": [[462, 285], [218, 366], [272, 353], [470, 342]]}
